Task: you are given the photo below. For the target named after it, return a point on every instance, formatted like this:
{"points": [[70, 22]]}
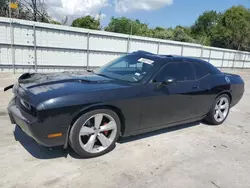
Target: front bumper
{"points": [[36, 129]]}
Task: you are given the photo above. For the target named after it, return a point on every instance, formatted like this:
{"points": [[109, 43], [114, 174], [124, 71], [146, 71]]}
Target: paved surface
{"points": [[187, 156]]}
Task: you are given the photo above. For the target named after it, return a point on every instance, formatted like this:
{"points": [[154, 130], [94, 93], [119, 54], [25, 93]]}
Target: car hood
{"points": [[30, 80], [46, 86]]}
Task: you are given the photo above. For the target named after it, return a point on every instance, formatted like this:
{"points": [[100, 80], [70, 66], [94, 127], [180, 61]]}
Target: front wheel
{"points": [[219, 111], [95, 133]]}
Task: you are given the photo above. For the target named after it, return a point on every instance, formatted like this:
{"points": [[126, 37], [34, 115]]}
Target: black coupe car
{"points": [[136, 93]]}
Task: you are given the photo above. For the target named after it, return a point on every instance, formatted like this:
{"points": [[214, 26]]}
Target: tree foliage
{"points": [[55, 22], [35, 10], [229, 29], [127, 26], [205, 23], [233, 29], [87, 22], [135, 27], [183, 34], [4, 9]]}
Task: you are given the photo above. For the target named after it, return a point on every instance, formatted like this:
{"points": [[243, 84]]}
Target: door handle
{"points": [[195, 87]]}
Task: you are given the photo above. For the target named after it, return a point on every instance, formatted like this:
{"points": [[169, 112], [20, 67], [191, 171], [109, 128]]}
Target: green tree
{"points": [[183, 34], [233, 30], [162, 33], [149, 33], [127, 26], [34, 10], [205, 23], [221, 37], [4, 9], [55, 22], [204, 26], [87, 22]]}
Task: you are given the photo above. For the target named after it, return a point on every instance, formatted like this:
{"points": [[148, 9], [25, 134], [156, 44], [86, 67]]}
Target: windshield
{"points": [[131, 68]]}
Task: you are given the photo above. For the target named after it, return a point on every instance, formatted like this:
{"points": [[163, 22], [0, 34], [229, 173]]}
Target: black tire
{"points": [[75, 130], [210, 116]]}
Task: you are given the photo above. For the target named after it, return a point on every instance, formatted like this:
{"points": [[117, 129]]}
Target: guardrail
{"points": [[32, 46]]}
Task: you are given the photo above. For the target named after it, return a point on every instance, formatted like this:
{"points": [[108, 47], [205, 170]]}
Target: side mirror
{"points": [[167, 81]]}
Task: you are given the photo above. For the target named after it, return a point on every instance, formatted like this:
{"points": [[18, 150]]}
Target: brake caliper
{"points": [[105, 132]]}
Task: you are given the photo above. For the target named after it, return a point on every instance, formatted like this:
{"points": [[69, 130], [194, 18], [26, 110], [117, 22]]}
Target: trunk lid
{"points": [[233, 78]]}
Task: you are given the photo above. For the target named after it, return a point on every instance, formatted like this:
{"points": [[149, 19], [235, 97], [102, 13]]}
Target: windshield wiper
{"points": [[102, 75]]}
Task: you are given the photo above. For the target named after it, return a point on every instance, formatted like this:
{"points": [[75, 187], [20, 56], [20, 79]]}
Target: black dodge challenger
{"points": [[136, 93]]}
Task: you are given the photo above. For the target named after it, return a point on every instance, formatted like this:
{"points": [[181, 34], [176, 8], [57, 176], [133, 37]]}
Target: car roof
{"points": [[165, 57], [176, 58]]}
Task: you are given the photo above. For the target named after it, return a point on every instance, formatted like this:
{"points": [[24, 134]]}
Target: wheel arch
{"points": [[95, 107], [227, 93], [210, 115]]}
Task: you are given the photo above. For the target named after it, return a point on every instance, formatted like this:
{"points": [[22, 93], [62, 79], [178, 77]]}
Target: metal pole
{"points": [[128, 44], [35, 52], [88, 51], [234, 59], [222, 60], [131, 30], [12, 49], [209, 58], [245, 59], [182, 46], [201, 52], [235, 55], [158, 47], [12, 40]]}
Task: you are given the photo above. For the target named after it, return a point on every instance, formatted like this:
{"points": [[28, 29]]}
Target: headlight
{"points": [[25, 104]]}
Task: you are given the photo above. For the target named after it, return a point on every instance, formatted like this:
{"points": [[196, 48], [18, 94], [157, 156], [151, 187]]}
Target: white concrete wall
{"points": [[50, 47]]}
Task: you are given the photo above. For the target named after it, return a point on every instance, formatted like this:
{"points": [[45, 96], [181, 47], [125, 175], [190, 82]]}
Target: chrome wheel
{"points": [[97, 133], [221, 109]]}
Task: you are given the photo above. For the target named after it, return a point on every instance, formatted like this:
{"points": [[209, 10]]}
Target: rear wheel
{"points": [[95, 133], [220, 110]]}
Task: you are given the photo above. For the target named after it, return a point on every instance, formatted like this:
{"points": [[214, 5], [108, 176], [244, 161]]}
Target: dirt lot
{"points": [[186, 156]]}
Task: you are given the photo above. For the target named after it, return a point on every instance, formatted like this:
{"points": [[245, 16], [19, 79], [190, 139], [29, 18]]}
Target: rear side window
{"points": [[200, 70], [180, 71], [210, 68], [186, 72]]}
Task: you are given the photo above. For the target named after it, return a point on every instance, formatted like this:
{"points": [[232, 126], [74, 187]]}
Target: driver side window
{"points": [[179, 71]]}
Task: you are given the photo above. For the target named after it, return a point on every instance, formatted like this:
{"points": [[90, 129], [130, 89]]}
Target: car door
{"points": [[169, 103], [203, 98]]}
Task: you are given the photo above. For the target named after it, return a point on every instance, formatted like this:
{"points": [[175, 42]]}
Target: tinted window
{"points": [[179, 71], [130, 68], [212, 69], [121, 64], [200, 70]]}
